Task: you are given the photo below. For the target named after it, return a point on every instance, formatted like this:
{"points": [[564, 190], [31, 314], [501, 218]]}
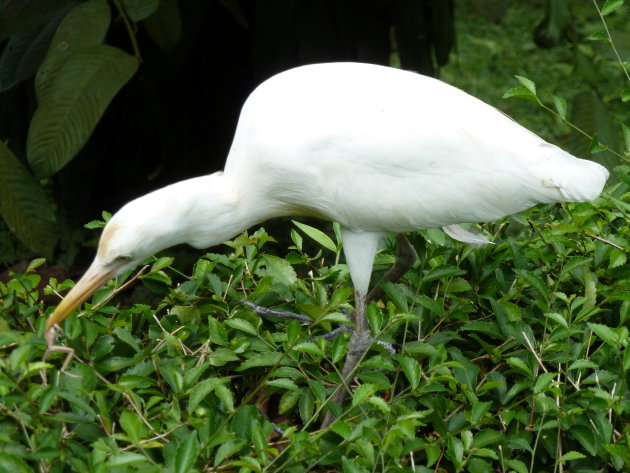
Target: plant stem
{"points": [[610, 40]]}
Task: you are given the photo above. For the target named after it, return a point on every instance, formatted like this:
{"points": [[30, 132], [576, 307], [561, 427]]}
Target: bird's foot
{"points": [[51, 336], [343, 328], [266, 312]]}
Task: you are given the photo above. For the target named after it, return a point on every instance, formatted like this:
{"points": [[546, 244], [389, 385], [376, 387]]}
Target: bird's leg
{"points": [[50, 336], [361, 339], [404, 261]]}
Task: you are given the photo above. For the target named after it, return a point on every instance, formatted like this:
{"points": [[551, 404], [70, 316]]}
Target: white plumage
{"points": [[377, 149]]}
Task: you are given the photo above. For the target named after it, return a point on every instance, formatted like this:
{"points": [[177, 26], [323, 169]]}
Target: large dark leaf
{"points": [[24, 53], [138, 10], [24, 206], [17, 16], [73, 105], [84, 25], [165, 25]]}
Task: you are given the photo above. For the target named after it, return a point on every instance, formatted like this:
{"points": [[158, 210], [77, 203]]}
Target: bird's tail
{"points": [[563, 177]]}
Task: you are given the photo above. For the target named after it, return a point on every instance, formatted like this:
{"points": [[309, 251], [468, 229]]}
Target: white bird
{"points": [[380, 150]]}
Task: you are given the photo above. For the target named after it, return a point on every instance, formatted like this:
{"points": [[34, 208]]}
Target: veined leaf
{"points": [[84, 25], [24, 53], [74, 104], [187, 453], [561, 105], [17, 16], [140, 9], [24, 205], [527, 83], [520, 92], [165, 25], [317, 235], [610, 6]]}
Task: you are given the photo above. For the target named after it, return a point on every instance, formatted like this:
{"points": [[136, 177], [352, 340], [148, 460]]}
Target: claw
{"points": [[50, 336]]}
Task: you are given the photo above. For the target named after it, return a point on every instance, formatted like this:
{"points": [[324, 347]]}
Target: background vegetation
{"points": [[514, 357]]}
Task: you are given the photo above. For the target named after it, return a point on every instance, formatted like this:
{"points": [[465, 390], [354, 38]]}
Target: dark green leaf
{"points": [[610, 6], [73, 105], [24, 205], [187, 453]]}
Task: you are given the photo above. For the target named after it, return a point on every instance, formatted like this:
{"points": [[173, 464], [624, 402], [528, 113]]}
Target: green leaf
{"points": [[317, 235], [519, 364], [85, 25], [411, 368], [479, 410], [73, 105], [528, 84], [263, 359], [362, 393], [242, 325], [280, 270], [573, 455], [535, 281], [558, 318], [595, 146], [445, 271], [379, 403], [598, 36], [201, 390], [284, 383], [626, 135], [131, 424], [350, 466], [605, 333], [24, 205], [305, 406], [543, 381], [13, 464], [517, 466], [610, 6], [187, 452], [625, 94], [485, 452], [165, 25], [226, 397], [23, 54], [561, 105], [586, 437], [309, 347], [138, 10], [121, 459], [17, 16], [288, 400], [580, 364], [216, 331]]}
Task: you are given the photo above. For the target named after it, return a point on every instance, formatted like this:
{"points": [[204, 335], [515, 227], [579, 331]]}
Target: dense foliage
{"points": [[513, 357]]}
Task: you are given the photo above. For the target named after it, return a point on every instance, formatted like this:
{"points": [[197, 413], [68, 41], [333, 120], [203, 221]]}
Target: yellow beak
{"points": [[93, 278]]}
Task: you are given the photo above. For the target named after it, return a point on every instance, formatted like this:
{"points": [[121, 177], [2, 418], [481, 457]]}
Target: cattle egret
{"points": [[379, 150]]}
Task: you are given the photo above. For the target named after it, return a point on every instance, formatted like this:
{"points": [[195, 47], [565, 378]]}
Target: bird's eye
{"points": [[123, 258]]}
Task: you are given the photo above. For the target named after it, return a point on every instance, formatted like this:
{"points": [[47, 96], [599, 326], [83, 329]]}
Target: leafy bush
{"points": [[513, 356]]}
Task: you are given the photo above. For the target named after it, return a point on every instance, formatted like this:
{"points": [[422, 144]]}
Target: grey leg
{"points": [[361, 339]]}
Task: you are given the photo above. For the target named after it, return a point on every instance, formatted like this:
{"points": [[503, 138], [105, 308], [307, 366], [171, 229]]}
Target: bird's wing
{"points": [[351, 141]]}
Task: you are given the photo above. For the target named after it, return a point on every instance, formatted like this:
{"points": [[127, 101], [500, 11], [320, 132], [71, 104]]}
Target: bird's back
{"points": [[377, 148]]}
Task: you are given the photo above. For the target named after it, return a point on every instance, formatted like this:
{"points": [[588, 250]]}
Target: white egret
{"points": [[379, 150]]}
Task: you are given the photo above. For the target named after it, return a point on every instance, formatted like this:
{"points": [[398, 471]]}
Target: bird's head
{"points": [[199, 211], [131, 235]]}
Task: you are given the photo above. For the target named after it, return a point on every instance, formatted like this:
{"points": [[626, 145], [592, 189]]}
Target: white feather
{"points": [[458, 233]]}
